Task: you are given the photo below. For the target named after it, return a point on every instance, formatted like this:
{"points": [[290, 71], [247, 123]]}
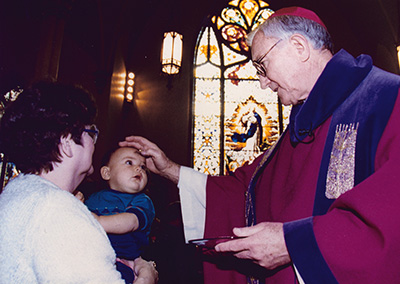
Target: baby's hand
{"points": [[79, 195]]}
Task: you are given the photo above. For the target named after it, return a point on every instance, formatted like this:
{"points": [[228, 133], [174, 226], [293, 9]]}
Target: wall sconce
{"points": [[398, 54], [129, 87], [171, 53]]}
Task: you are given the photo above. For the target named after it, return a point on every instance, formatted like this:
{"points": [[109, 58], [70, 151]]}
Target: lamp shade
{"points": [[171, 53]]}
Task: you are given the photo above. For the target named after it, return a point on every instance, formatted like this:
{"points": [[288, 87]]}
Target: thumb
{"points": [[247, 231]]}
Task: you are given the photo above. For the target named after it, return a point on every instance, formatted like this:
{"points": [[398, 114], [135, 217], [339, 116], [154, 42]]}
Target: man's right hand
{"points": [[156, 160]]}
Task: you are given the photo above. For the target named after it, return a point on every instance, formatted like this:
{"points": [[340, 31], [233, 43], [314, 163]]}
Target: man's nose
{"points": [[264, 82]]}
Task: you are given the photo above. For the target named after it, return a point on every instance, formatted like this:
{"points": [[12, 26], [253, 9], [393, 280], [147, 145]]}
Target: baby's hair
{"points": [[107, 155]]}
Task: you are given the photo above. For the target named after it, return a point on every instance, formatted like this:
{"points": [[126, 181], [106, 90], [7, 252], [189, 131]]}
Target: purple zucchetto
{"points": [[300, 12]]}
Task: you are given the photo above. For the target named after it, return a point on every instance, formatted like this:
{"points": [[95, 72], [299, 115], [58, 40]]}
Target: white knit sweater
{"points": [[48, 236]]}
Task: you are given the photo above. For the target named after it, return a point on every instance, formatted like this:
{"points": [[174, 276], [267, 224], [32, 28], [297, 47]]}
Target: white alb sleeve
{"points": [[299, 279], [192, 191]]}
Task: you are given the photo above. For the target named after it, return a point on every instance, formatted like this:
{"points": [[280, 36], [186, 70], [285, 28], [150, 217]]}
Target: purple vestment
{"points": [[337, 195]]}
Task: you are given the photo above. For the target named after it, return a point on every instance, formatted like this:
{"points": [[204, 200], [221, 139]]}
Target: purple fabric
{"points": [[285, 192], [359, 236]]}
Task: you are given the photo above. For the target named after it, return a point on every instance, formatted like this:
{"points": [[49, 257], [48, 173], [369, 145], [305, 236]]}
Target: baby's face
{"points": [[127, 171]]}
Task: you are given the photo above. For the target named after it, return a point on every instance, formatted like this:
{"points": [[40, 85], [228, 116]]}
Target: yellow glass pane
{"points": [[233, 16], [206, 144], [236, 35], [242, 71], [261, 17], [231, 57], [234, 3], [207, 70], [207, 127], [202, 54], [214, 48], [235, 46], [249, 9], [263, 4], [220, 23]]}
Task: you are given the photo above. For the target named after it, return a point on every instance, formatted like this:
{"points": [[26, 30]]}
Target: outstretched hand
{"points": [[156, 160], [263, 243]]}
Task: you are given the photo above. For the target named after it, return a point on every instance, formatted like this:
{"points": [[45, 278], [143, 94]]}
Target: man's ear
{"points": [[301, 46], [105, 172], [65, 146]]}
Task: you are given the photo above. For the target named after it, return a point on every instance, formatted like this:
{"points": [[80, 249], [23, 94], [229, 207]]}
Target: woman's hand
{"points": [[79, 195], [145, 271]]}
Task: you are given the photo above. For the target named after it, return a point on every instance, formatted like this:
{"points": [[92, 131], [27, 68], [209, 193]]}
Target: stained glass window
{"points": [[7, 169], [234, 120]]}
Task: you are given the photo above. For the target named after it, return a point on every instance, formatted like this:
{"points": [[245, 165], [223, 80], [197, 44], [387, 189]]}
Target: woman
{"points": [[46, 234]]}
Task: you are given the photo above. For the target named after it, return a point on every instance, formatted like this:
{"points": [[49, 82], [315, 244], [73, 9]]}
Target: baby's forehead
{"points": [[130, 152]]}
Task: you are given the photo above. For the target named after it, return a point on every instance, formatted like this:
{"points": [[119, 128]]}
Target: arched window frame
{"points": [[221, 59]]}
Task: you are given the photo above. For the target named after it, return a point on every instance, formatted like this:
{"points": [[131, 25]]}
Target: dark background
{"points": [[91, 42]]}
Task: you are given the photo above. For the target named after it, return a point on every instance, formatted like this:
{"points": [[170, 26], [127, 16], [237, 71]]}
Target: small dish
{"points": [[210, 243]]}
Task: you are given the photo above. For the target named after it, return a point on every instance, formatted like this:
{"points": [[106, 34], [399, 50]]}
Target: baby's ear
{"points": [[105, 172]]}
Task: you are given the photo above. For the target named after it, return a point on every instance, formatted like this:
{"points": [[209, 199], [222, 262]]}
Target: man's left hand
{"points": [[263, 243]]}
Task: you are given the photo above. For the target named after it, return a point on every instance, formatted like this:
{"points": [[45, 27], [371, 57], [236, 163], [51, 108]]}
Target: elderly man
{"points": [[320, 206]]}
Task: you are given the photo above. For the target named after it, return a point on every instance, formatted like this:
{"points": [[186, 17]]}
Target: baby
{"points": [[124, 211]]}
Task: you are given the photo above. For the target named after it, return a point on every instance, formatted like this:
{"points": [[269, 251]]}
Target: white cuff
{"points": [[299, 279], [192, 191]]}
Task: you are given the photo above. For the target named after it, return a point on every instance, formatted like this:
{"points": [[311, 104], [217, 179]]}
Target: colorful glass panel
{"points": [[234, 120], [232, 57], [207, 129], [7, 170]]}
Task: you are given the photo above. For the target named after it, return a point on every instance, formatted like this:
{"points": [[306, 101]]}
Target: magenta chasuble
{"points": [[334, 186]]}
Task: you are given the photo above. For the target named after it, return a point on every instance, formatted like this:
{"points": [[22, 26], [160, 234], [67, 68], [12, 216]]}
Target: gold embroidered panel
{"points": [[340, 176]]}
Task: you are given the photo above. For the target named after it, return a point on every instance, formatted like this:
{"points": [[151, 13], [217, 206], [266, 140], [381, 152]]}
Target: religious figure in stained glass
{"points": [[249, 132], [234, 120]]}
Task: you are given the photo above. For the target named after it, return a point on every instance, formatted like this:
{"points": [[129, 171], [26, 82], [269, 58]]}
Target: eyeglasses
{"points": [[93, 132], [258, 65]]}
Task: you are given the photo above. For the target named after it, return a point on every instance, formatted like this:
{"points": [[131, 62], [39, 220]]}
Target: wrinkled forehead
{"points": [[261, 44]]}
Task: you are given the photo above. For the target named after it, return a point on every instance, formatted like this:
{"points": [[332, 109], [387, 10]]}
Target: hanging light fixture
{"points": [[171, 53]]}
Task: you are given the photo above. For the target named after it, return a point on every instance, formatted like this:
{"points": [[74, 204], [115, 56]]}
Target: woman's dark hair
{"points": [[32, 125]]}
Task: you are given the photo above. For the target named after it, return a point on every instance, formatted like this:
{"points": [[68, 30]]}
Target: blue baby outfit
{"points": [[109, 202]]}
